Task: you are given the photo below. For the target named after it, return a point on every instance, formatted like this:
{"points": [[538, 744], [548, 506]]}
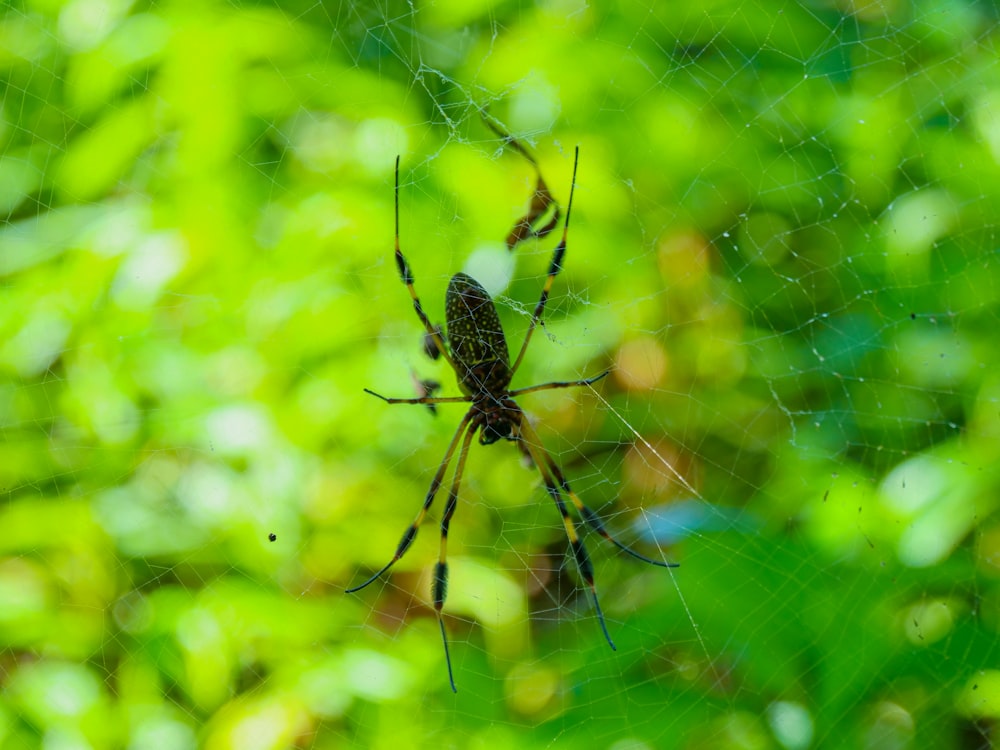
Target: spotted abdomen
{"points": [[476, 338]]}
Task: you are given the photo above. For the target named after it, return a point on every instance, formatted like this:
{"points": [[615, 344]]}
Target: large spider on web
{"points": [[476, 349]]}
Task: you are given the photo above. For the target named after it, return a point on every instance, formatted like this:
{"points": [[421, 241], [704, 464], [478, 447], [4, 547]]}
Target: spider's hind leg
{"points": [[555, 266], [543, 211], [433, 336]]}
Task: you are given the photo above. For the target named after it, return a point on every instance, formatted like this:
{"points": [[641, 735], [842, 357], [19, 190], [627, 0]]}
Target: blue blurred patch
{"points": [[671, 523]]}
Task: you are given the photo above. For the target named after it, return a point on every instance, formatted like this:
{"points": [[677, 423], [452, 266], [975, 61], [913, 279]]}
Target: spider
{"points": [[476, 350]]}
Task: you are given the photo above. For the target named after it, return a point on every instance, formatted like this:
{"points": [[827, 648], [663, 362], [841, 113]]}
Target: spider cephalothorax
{"points": [[499, 419], [476, 349]]}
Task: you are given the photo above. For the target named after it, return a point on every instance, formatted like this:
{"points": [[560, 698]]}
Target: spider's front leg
{"points": [[529, 439], [411, 531], [440, 587], [553, 473]]}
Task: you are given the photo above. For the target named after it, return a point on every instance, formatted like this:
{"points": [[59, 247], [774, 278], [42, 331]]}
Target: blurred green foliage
{"points": [[784, 243]]}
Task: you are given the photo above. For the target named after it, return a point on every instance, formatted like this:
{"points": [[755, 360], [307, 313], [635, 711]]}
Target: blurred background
{"points": [[784, 246]]}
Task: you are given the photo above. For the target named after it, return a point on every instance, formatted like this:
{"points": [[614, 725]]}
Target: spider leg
{"points": [[554, 268], [422, 400], [583, 563], [440, 588], [557, 384], [411, 531], [406, 274], [541, 199], [593, 520], [589, 516]]}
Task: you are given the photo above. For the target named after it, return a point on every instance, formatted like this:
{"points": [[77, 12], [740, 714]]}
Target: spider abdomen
{"points": [[476, 338]]}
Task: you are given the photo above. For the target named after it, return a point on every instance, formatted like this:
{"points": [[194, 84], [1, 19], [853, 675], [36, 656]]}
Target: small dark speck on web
{"points": [[272, 537]]}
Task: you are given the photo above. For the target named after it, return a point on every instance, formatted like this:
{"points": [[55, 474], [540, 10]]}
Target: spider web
{"points": [[783, 246]]}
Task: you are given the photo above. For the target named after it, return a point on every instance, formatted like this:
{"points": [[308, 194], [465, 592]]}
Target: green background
{"points": [[784, 244]]}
